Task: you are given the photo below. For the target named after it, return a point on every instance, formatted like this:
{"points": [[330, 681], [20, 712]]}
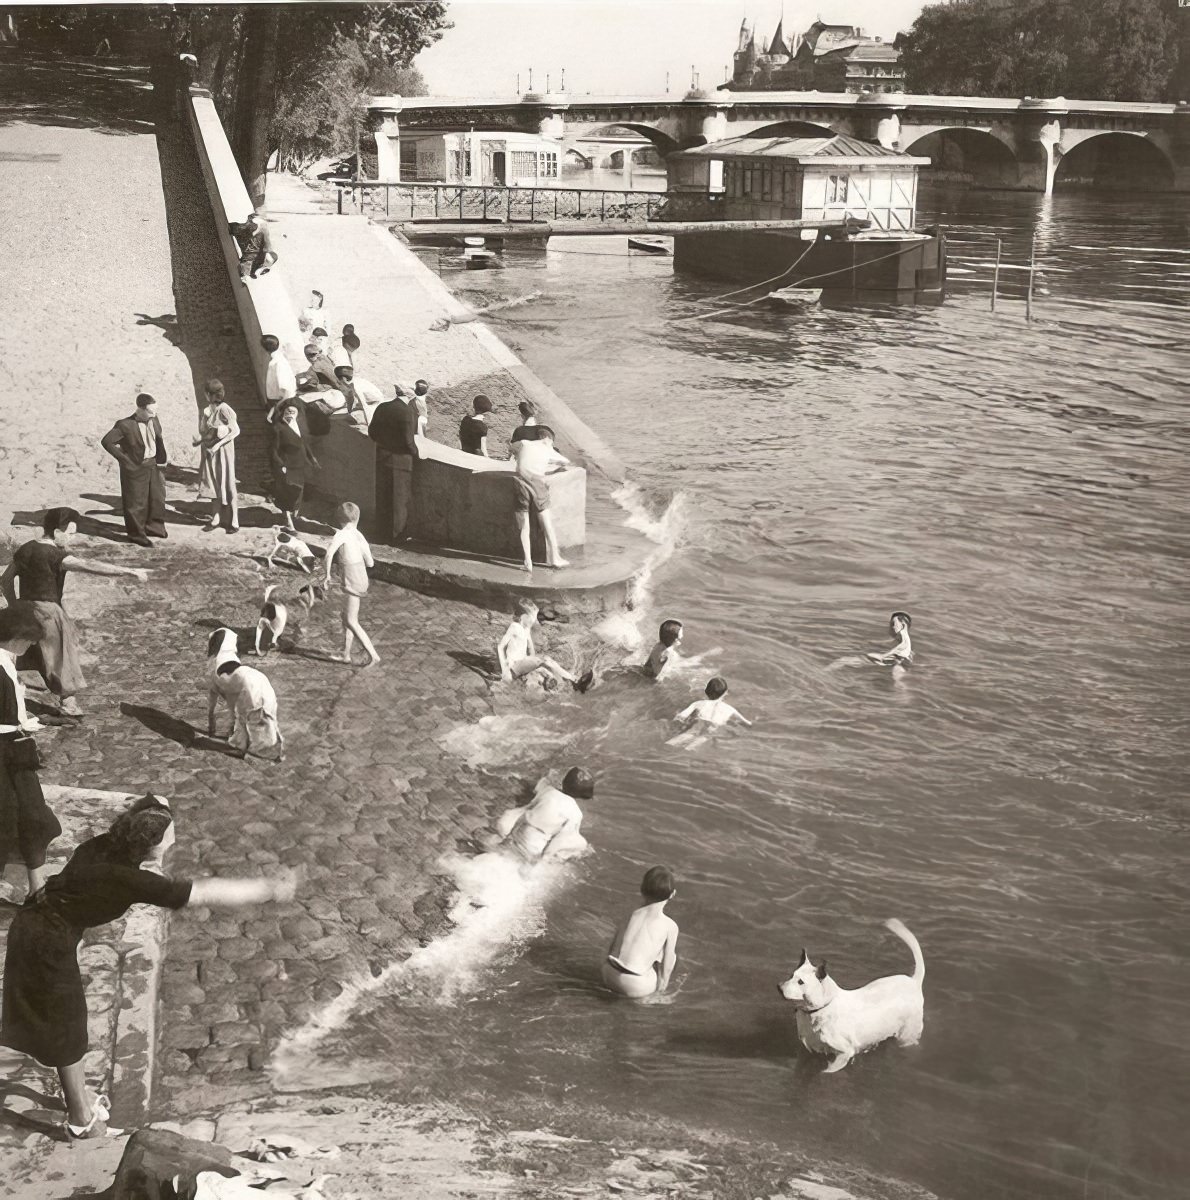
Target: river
{"points": [[1019, 799]]}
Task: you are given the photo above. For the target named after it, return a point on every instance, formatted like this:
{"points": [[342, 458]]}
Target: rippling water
{"points": [[1019, 800]]}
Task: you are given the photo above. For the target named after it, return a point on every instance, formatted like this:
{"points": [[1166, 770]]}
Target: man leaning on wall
{"points": [[394, 430]]}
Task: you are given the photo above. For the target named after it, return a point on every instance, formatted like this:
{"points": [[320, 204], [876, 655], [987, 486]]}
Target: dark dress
{"points": [[45, 1004], [27, 826], [291, 452], [472, 431]]}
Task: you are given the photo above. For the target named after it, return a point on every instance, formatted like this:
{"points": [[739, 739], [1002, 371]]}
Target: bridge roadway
{"points": [[1025, 144]]}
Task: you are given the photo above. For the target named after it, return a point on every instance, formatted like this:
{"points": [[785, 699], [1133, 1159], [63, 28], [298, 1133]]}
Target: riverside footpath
{"points": [[368, 800]]}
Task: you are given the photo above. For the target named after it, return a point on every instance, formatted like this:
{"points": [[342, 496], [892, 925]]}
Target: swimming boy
{"points": [[354, 556], [643, 952], [714, 710], [548, 827], [534, 458], [518, 658], [665, 653], [901, 655]]}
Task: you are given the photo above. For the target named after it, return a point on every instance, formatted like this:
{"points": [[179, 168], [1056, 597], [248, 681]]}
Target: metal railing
{"points": [[489, 202]]}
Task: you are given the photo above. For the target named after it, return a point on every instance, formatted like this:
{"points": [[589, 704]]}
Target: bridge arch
{"points": [[792, 129], [576, 158], [662, 142], [1117, 160], [960, 151]]}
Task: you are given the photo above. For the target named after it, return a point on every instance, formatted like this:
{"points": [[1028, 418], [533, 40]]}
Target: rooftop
{"points": [[800, 149]]}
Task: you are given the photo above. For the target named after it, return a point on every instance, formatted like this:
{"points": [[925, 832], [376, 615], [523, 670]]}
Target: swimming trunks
{"points": [[531, 492], [354, 576], [615, 963]]}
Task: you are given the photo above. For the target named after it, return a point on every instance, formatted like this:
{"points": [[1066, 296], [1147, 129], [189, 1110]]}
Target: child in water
{"points": [[901, 655], [705, 715], [665, 653], [643, 952], [354, 558], [548, 827], [518, 658]]}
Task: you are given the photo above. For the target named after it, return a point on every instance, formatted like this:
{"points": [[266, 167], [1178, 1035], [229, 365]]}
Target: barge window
{"points": [[524, 164], [462, 164], [548, 164], [836, 189]]}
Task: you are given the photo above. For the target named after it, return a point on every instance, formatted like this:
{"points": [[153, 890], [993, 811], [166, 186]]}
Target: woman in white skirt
{"points": [[217, 432]]}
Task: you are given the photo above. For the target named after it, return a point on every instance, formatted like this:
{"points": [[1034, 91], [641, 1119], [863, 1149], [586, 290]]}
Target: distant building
{"points": [[512, 159], [826, 58]]}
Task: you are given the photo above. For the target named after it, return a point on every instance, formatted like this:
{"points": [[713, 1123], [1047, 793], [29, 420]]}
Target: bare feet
{"points": [[371, 661], [527, 567], [559, 562]]}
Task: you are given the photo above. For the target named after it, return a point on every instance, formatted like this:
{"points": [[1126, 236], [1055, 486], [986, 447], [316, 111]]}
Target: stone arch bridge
{"points": [[1026, 144]]}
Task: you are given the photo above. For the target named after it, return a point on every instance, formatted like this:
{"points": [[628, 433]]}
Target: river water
{"points": [[1019, 799]]}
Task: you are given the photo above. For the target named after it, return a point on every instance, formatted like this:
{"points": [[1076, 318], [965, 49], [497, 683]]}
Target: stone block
{"points": [[185, 1037]]}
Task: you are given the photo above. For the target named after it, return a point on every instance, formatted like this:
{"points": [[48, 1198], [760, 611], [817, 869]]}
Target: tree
{"points": [[257, 59], [1089, 49]]}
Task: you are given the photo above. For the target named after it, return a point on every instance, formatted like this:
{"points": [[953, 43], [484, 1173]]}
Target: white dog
{"points": [[842, 1023], [247, 692], [289, 546], [275, 614]]}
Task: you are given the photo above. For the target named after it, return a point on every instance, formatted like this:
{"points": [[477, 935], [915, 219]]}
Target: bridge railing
{"points": [[463, 202]]}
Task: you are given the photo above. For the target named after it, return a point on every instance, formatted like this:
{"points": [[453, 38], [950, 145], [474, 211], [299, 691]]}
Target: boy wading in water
{"points": [[704, 715], [354, 558], [665, 653], [518, 658], [643, 953], [901, 655]]}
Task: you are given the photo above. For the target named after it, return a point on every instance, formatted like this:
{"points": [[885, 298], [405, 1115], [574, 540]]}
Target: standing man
{"points": [[136, 444], [256, 246], [363, 396], [394, 430], [280, 383]]}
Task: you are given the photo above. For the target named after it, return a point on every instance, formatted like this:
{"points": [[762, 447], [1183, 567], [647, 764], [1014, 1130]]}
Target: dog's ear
{"points": [[805, 958], [821, 972]]}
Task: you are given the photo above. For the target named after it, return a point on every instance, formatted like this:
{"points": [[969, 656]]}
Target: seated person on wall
{"points": [[362, 395], [256, 246], [314, 315], [318, 379], [535, 458], [473, 428]]}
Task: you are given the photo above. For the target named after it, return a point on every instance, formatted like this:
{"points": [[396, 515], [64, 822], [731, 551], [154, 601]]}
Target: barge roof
{"points": [[839, 148]]}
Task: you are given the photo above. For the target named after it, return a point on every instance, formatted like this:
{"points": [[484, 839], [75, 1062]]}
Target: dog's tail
{"points": [[268, 592], [919, 963]]}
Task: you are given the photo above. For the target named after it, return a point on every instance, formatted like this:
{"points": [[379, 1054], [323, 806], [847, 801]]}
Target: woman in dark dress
{"points": [[292, 458], [45, 1004], [27, 826]]}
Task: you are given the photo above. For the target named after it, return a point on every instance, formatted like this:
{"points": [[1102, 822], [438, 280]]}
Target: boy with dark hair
{"points": [[714, 710], [669, 638], [901, 655], [526, 430], [643, 952], [473, 428], [548, 827]]}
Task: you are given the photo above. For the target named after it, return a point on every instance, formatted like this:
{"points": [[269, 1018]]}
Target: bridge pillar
{"points": [[876, 120], [1037, 139], [385, 111], [1180, 146], [714, 125]]}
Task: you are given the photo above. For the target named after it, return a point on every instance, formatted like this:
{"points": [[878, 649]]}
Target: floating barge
{"points": [[863, 195]]}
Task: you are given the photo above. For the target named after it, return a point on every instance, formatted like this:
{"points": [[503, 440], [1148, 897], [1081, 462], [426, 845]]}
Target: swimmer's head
{"points": [[898, 622], [579, 783], [658, 885], [717, 688], [526, 609], [346, 514], [670, 633]]}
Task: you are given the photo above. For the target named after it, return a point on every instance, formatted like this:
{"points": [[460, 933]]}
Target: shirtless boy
{"points": [[548, 827], [535, 458], [704, 715], [665, 653], [354, 556], [518, 658], [901, 655], [643, 953]]}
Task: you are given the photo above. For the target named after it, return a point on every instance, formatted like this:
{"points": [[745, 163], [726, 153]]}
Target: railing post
{"points": [[460, 203], [340, 191], [532, 205], [387, 196], [603, 206], [437, 194], [579, 194], [555, 205], [508, 206]]}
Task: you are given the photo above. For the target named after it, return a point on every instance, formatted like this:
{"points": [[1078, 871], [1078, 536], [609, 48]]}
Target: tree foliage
{"points": [[1086, 49], [284, 77]]}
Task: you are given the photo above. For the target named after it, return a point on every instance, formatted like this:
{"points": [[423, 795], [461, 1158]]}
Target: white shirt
{"points": [[313, 318], [369, 395], [340, 355], [9, 666], [280, 383]]}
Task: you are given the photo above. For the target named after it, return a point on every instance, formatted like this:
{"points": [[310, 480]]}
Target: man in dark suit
{"points": [[136, 444], [394, 430]]}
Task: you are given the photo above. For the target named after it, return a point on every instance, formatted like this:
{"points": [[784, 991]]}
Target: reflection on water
{"points": [[1019, 801]]}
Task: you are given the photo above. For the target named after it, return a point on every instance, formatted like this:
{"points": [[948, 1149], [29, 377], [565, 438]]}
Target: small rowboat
{"points": [[650, 245], [795, 297]]}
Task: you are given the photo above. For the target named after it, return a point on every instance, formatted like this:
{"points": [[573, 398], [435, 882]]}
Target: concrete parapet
{"points": [[264, 304], [460, 501]]}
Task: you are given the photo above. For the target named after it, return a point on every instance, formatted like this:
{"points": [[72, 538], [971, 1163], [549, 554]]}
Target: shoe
{"points": [[140, 541], [162, 534], [96, 1127], [231, 529], [210, 527], [70, 707]]}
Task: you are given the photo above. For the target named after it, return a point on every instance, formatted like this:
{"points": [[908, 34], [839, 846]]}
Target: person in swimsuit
{"points": [[535, 457], [665, 653], [643, 952], [350, 548], [549, 826], [901, 655], [704, 715], [518, 658]]}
